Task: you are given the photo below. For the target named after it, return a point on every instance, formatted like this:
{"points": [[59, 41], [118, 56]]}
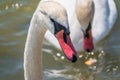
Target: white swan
{"points": [[50, 16], [102, 21]]}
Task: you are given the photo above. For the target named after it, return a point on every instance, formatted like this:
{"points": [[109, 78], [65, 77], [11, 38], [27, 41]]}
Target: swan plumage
{"points": [[104, 17], [102, 21], [48, 16]]}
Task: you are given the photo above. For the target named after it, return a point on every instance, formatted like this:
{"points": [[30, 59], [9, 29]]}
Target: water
{"points": [[15, 17]]}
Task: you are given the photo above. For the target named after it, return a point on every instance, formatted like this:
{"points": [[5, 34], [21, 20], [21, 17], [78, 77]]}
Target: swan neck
{"points": [[32, 53], [84, 11]]}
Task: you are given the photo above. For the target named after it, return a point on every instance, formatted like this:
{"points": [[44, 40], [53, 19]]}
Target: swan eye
{"points": [[58, 27]]}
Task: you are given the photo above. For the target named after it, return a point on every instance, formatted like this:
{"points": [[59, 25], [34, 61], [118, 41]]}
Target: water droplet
{"points": [[21, 4], [17, 5], [114, 69], [92, 53], [6, 7], [13, 5], [62, 57], [58, 54], [102, 51], [116, 66], [94, 67], [80, 56], [107, 70]]}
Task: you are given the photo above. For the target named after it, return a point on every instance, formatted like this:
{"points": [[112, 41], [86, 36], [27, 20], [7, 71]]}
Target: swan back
{"points": [[104, 18]]}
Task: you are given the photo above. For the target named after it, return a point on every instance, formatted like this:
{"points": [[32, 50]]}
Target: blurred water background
{"points": [[15, 16]]}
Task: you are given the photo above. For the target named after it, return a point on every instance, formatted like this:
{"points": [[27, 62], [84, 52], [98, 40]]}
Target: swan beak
{"points": [[88, 41], [66, 45]]}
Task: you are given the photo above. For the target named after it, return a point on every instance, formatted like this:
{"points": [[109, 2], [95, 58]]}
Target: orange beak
{"points": [[88, 42], [66, 45]]}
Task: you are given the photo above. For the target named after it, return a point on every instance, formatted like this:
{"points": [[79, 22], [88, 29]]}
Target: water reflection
{"points": [[14, 22], [105, 67]]}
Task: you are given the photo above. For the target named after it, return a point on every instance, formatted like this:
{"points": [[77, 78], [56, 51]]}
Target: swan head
{"points": [[56, 22], [84, 12]]}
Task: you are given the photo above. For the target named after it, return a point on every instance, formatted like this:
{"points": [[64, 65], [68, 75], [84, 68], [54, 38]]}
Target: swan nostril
{"points": [[74, 58]]}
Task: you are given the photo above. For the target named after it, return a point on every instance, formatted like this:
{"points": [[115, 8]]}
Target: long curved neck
{"points": [[32, 54], [84, 11]]}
